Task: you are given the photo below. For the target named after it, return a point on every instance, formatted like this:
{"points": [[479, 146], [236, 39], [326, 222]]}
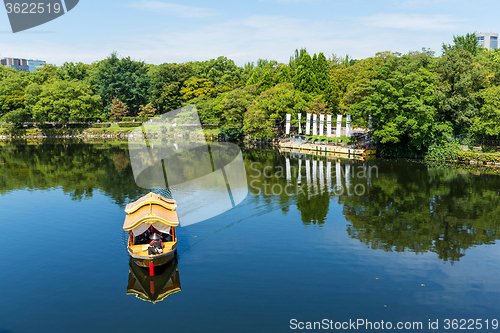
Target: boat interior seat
{"points": [[142, 249]]}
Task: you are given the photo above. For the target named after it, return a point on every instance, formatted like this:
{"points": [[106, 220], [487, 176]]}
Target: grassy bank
{"points": [[453, 150]]}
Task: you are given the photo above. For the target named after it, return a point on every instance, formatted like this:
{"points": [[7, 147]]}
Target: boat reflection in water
{"points": [[153, 288]]}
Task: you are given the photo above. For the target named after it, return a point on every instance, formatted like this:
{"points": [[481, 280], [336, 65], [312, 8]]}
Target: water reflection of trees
{"points": [[78, 169], [419, 208], [406, 207]]}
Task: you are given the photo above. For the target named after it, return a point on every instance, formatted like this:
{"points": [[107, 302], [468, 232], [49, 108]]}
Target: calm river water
{"points": [[385, 240]]}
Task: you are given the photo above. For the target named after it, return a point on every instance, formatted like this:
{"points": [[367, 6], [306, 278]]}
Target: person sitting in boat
{"points": [[156, 245]]}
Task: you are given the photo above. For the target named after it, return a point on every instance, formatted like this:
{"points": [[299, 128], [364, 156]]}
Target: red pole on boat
{"points": [[152, 286], [151, 269]]}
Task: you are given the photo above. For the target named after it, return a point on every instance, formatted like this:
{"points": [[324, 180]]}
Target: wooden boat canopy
{"points": [[148, 211], [151, 199]]}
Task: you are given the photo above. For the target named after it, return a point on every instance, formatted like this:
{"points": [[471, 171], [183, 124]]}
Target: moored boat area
{"points": [[328, 150], [151, 225]]}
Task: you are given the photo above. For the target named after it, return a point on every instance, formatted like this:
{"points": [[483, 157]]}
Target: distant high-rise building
{"points": [[19, 64], [33, 64], [22, 65], [488, 40]]}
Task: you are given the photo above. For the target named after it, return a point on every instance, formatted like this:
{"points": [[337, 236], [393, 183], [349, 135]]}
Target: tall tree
{"points": [[305, 79], [270, 109], [403, 102], [166, 81], [221, 71], [468, 43], [322, 73], [485, 122], [266, 82], [12, 92], [233, 106], [70, 71], [284, 75], [67, 101], [196, 87], [254, 79], [122, 78], [460, 80]]}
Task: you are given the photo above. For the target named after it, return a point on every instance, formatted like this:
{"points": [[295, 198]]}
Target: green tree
{"points": [[254, 79], [284, 75], [490, 60], [403, 103], [7, 71], [46, 74], [270, 109], [17, 117], [221, 71], [322, 74], [266, 82], [233, 106], [460, 80], [305, 78], [485, 124], [357, 80], [70, 71], [65, 101], [122, 78], [197, 87], [297, 58], [468, 43], [166, 81], [12, 93]]}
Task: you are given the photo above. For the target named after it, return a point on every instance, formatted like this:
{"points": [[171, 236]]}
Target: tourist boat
{"points": [[155, 288], [149, 219]]}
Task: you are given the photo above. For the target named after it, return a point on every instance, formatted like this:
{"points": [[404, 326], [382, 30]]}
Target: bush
{"points": [[77, 125], [443, 150], [129, 124], [44, 126], [232, 134], [101, 125]]}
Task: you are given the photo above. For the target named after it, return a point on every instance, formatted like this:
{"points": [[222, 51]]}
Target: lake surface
{"points": [[392, 240]]}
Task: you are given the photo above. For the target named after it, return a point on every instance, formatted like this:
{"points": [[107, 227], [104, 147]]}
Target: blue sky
{"points": [[159, 31]]}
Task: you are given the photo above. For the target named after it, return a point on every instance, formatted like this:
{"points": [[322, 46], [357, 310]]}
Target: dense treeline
{"points": [[413, 98]]}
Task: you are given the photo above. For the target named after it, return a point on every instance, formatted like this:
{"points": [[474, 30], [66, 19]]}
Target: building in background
{"points": [[22, 65], [19, 64], [488, 40], [33, 64]]}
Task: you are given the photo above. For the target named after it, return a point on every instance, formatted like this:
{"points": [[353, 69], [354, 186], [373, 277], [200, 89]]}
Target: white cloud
{"points": [[414, 22], [243, 39], [173, 9]]}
